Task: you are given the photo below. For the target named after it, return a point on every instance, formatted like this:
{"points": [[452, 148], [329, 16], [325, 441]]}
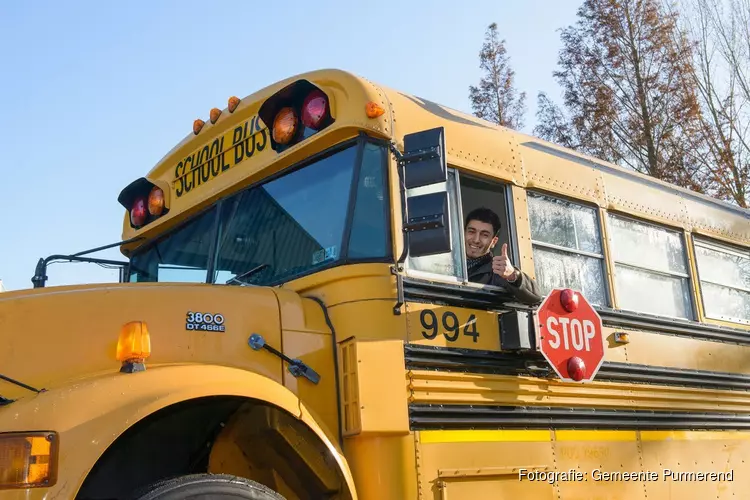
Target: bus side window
{"points": [[567, 247], [476, 193], [651, 273], [724, 274]]}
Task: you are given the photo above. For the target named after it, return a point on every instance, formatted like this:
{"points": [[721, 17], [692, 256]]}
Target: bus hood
{"points": [[52, 336]]}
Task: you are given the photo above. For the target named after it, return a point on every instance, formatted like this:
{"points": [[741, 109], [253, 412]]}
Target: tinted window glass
{"points": [[290, 225], [182, 256], [369, 225]]}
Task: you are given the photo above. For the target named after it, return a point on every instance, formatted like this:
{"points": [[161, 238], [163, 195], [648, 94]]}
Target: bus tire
{"points": [[207, 486]]}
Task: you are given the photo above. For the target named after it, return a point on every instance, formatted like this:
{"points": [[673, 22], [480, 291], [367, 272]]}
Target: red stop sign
{"points": [[570, 335]]}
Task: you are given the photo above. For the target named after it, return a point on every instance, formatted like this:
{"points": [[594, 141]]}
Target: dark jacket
{"points": [[524, 289]]}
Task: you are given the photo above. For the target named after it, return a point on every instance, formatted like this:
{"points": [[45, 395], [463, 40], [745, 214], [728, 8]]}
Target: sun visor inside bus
{"points": [[428, 224], [295, 113]]}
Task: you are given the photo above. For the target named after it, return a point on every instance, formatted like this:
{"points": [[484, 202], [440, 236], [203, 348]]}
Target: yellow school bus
{"points": [[295, 320]]}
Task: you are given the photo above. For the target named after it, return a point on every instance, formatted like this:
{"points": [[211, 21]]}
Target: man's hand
{"points": [[502, 266]]}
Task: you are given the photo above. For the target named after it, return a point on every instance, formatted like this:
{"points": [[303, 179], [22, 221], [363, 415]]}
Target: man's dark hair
{"points": [[485, 215]]}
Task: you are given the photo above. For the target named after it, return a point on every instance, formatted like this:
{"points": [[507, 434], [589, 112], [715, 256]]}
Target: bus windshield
{"points": [[313, 217]]}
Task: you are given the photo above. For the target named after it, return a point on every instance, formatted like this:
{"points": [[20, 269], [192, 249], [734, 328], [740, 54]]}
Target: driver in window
{"points": [[482, 227]]}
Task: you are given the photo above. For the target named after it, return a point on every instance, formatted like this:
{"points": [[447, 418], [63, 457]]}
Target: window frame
{"points": [[509, 222], [462, 280], [602, 233], [699, 240], [357, 142], [688, 275]]}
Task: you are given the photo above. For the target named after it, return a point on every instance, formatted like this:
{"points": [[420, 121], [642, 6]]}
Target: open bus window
{"points": [[567, 247], [465, 193], [477, 193], [724, 275], [181, 256], [650, 268]]}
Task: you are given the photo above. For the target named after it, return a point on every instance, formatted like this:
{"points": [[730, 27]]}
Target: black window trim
{"points": [[358, 142]]}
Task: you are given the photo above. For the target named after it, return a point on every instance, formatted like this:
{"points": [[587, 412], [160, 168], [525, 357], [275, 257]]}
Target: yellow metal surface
{"points": [[88, 422], [437, 459], [682, 457], [588, 464], [384, 467], [679, 352], [78, 344], [456, 327], [307, 337], [523, 231], [488, 436], [373, 381], [342, 285], [461, 388]]}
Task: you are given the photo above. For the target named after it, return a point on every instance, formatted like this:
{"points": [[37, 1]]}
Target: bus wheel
{"points": [[207, 486]]}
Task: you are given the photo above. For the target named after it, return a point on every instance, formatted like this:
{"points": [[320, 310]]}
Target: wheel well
{"points": [[234, 435]]}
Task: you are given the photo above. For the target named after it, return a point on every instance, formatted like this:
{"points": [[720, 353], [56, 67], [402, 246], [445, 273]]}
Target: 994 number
{"points": [[451, 327]]}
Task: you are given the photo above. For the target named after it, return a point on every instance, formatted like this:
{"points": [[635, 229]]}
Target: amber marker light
{"points": [[198, 125], [374, 110], [215, 114], [156, 201], [133, 346], [28, 460], [285, 125], [232, 103]]}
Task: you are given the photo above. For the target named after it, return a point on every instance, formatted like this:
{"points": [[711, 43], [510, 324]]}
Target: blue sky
{"points": [[93, 94]]}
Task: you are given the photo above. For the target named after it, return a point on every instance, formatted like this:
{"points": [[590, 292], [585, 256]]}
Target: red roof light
{"points": [[138, 212], [314, 109]]}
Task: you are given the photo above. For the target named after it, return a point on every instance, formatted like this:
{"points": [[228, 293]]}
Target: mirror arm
{"points": [[402, 192]]}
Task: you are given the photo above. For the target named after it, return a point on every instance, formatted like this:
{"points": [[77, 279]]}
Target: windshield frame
{"points": [[359, 144]]}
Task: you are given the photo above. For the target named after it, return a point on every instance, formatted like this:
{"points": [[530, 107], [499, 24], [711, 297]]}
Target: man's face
{"points": [[479, 238]]}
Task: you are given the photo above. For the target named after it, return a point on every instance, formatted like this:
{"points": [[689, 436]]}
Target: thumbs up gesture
{"points": [[502, 266]]}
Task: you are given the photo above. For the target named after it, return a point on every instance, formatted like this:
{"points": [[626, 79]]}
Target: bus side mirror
{"points": [[424, 158], [427, 223]]}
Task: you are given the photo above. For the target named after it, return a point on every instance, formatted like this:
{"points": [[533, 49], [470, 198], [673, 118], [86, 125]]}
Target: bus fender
{"points": [[89, 415]]}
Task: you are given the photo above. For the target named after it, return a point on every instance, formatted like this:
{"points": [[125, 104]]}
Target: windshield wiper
{"points": [[246, 274], [6, 401]]}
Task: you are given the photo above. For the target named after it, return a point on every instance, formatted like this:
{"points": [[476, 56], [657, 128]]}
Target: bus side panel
{"points": [[483, 464], [698, 451], [595, 454]]}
